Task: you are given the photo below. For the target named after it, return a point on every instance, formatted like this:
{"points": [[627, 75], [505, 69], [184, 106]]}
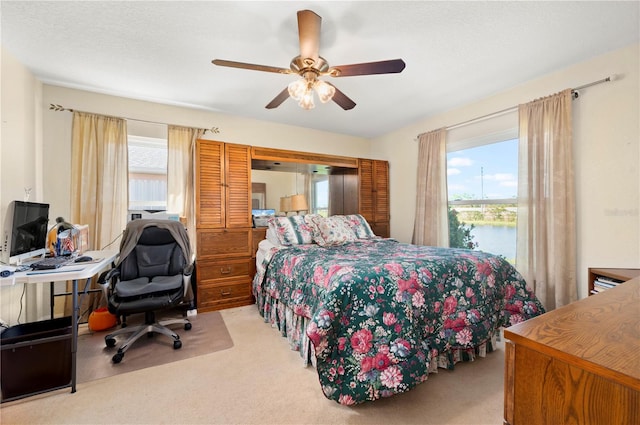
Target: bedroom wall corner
{"points": [[21, 132], [606, 140], [21, 164]]}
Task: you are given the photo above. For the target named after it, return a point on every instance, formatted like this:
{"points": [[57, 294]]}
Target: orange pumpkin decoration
{"points": [[100, 319]]}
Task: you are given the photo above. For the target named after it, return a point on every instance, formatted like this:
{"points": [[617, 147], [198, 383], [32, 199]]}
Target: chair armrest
{"points": [[186, 278], [106, 279]]}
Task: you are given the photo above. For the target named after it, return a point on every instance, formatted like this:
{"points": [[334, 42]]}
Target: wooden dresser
{"points": [[223, 225], [579, 364]]}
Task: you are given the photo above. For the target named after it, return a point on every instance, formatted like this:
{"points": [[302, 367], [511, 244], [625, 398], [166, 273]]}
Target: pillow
{"points": [[271, 235], [334, 230], [291, 230], [313, 220], [360, 226]]}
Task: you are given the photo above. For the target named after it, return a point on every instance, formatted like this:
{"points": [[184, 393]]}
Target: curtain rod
{"points": [[55, 107], [574, 93]]}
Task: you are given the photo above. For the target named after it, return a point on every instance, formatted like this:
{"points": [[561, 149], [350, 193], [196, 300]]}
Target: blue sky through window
{"points": [[484, 172]]}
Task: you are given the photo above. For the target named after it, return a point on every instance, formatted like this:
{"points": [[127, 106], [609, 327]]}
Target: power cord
{"points": [[24, 289], [112, 242]]}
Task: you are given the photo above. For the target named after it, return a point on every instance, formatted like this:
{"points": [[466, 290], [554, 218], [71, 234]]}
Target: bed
{"points": [[376, 316]]}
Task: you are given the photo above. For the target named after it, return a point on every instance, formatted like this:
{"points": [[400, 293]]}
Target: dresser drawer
{"points": [[220, 296], [224, 269], [220, 243]]}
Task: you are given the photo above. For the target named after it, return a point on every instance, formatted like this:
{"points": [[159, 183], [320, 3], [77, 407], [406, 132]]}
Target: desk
{"points": [[73, 272]]}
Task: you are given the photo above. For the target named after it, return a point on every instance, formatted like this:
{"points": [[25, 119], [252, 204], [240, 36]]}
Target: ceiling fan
{"points": [[310, 65]]}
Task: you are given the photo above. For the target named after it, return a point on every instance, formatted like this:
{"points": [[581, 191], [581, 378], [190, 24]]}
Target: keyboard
{"points": [[50, 263]]}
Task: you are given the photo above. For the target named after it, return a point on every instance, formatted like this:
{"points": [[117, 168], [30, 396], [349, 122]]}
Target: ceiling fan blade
{"points": [[250, 66], [309, 33], [277, 101], [342, 99], [382, 67]]}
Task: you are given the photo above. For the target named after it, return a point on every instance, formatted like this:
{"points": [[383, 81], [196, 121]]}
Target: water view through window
{"points": [[482, 188]]}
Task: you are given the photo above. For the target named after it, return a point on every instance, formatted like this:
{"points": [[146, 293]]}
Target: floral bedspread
{"points": [[380, 311]]}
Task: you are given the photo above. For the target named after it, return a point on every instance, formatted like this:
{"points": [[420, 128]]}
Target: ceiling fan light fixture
{"points": [[306, 102], [297, 89], [325, 91]]}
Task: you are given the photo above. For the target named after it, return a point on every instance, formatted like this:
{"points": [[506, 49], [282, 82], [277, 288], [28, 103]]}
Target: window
{"points": [[320, 195], [482, 189], [147, 173]]}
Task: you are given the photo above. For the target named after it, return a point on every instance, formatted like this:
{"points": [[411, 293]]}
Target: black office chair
{"points": [[153, 273]]}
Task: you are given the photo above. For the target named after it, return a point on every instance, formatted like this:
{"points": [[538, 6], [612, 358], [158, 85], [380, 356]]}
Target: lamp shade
{"points": [[285, 204], [299, 203]]}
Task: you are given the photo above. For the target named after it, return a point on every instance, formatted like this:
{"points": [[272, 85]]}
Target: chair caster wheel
{"points": [[111, 342], [177, 344], [187, 326], [117, 358]]}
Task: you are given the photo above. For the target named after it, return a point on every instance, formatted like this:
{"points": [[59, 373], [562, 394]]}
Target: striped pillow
{"points": [[291, 230], [360, 226]]}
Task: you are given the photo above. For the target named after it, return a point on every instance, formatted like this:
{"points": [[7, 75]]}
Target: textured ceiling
{"points": [[456, 52]]}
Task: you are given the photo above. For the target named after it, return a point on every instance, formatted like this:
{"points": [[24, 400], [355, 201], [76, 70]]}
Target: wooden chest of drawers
{"points": [[578, 364], [225, 268]]}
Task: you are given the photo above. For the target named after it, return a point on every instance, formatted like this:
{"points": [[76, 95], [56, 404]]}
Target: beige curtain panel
{"points": [[546, 233], [431, 225], [181, 143], [99, 179]]}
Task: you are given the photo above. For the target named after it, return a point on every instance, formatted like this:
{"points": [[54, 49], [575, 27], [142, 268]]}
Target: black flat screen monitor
{"points": [[26, 228]]}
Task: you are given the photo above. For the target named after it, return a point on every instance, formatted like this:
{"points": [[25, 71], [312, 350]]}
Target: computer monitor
{"points": [[25, 231]]}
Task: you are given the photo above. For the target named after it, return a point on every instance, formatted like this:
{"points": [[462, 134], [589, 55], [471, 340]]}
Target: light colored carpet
{"points": [[207, 335], [260, 381]]}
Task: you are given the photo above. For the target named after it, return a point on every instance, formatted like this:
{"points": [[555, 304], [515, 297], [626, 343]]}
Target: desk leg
{"points": [[74, 333], [51, 298]]}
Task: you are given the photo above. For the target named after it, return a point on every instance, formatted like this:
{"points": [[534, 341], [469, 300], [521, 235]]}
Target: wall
{"points": [[21, 133], [606, 135], [233, 129], [20, 163]]}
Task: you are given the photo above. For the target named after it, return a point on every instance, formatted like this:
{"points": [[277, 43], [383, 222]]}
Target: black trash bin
{"points": [[35, 357]]}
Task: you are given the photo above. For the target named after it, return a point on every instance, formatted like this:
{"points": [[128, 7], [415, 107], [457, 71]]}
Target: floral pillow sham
{"points": [[331, 231]]}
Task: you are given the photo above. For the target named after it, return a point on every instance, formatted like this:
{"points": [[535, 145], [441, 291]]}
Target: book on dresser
{"points": [[602, 279]]}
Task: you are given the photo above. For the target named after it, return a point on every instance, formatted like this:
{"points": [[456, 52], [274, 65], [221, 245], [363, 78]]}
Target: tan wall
{"points": [[607, 157], [57, 132], [20, 134]]}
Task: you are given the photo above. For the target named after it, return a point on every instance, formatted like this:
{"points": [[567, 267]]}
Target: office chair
{"points": [[152, 273]]}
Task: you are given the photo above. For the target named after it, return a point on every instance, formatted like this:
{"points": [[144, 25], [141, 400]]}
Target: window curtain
{"points": [[99, 180], [181, 143], [546, 235], [431, 225]]}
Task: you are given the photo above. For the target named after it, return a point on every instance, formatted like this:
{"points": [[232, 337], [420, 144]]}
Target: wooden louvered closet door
{"points": [[238, 185], [373, 194], [210, 211]]}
